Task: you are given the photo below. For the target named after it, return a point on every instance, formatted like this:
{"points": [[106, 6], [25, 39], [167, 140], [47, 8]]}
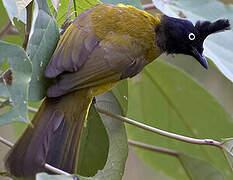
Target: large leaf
{"points": [[94, 145], [219, 47], [118, 145], [41, 46], [165, 97], [17, 90]]}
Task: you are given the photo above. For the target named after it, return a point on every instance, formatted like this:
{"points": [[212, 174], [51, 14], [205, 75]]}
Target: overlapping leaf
{"points": [[41, 46], [16, 91], [94, 145], [198, 169], [118, 145]]}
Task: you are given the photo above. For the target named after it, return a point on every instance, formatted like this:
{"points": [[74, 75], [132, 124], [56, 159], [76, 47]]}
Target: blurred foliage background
{"points": [[212, 80]]}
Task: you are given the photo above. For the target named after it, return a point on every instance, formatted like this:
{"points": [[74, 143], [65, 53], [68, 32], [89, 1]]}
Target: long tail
{"points": [[54, 137]]}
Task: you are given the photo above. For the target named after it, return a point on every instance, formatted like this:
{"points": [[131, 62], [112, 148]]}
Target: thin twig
{"points": [[152, 148], [56, 170], [33, 110], [47, 166], [148, 6], [75, 9], [6, 142], [162, 132], [28, 25], [5, 29]]}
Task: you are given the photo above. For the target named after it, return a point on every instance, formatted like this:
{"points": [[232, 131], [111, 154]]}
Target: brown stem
{"points": [[5, 29], [148, 6], [28, 26], [152, 148]]}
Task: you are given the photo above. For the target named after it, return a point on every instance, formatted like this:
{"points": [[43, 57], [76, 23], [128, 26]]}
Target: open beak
{"points": [[200, 58]]}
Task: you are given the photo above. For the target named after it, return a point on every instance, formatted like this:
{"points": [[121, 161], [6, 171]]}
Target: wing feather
{"points": [[108, 63], [74, 47]]}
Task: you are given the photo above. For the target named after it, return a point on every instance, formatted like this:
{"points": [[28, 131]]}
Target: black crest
{"points": [[206, 28]]}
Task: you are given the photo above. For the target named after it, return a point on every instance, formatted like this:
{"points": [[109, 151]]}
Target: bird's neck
{"points": [[162, 34]]}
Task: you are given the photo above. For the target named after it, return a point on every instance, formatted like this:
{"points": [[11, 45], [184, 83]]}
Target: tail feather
{"points": [[54, 137]]}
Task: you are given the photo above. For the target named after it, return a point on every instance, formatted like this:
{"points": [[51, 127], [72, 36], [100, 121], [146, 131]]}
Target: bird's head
{"points": [[180, 36]]}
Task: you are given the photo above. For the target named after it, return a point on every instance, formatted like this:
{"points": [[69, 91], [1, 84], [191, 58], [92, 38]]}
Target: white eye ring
{"points": [[192, 36]]}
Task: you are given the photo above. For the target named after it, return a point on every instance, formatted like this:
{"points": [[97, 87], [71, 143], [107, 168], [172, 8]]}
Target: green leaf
{"points": [[198, 169], [218, 47], [135, 3], [94, 145], [228, 150], [17, 92], [164, 97], [81, 5], [121, 94], [20, 27], [11, 8], [42, 43], [15, 39], [118, 145]]}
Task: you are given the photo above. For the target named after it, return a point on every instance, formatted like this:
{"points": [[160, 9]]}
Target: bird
{"points": [[102, 46]]}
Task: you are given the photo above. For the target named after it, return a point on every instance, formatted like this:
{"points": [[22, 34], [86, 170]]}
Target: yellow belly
{"points": [[97, 90]]}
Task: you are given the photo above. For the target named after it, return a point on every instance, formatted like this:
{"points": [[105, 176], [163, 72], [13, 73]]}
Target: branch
{"points": [[47, 166], [162, 132], [5, 29], [28, 25], [148, 6], [152, 148]]}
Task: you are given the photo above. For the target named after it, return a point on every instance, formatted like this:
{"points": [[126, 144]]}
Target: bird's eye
{"points": [[191, 36]]}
